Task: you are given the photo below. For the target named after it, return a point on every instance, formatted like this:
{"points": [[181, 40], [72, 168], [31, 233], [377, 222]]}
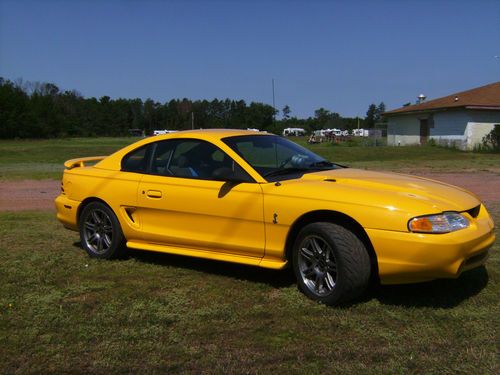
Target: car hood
{"points": [[396, 192]]}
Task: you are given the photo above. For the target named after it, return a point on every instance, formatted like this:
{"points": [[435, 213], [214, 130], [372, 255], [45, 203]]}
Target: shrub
{"points": [[491, 141]]}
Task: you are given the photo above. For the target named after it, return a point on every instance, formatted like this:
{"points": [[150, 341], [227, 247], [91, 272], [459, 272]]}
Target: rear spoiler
{"points": [[80, 162]]}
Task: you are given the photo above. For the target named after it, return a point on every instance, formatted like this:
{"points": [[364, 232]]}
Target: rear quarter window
{"points": [[136, 161]]}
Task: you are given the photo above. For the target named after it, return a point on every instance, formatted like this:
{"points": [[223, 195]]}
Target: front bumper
{"points": [[405, 257], [67, 211]]}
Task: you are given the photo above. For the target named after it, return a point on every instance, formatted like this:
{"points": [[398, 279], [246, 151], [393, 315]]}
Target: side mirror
{"points": [[228, 175]]}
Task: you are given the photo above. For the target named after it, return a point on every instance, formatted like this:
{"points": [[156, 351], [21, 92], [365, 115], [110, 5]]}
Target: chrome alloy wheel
{"points": [[317, 265], [98, 231]]}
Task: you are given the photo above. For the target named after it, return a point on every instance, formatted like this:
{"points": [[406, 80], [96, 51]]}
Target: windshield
{"points": [[277, 158]]}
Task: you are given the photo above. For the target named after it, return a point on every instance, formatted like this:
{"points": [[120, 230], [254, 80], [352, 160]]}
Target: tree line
{"points": [[42, 110]]}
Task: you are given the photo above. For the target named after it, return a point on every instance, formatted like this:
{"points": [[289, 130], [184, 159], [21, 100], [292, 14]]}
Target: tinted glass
{"points": [[137, 160], [198, 160], [162, 156], [270, 155]]}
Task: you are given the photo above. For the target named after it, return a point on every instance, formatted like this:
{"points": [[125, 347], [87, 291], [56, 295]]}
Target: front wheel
{"points": [[331, 264], [100, 232]]}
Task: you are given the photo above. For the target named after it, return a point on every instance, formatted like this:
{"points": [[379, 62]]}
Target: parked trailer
{"points": [[360, 132], [293, 132], [164, 131]]}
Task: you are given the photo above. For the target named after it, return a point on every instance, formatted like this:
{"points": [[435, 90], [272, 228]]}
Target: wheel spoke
{"points": [[328, 253], [329, 282], [90, 226], [99, 244], [306, 253], [316, 247], [319, 281], [332, 267], [93, 237], [95, 216], [107, 240], [309, 272], [108, 229]]}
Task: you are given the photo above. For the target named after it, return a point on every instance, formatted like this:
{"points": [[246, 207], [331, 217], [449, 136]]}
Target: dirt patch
{"points": [[28, 195], [40, 194], [485, 185]]}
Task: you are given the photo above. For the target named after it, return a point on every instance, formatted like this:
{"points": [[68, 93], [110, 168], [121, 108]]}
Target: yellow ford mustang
{"points": [[259, 199]]}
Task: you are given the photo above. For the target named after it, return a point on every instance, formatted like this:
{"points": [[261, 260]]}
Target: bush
{"points": [[491, 141]]}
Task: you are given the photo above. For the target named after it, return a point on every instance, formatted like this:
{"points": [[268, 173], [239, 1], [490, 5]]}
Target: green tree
{"points": [[286, 112], [371, 115], [379, 112], [374, 114], [38, 110]]}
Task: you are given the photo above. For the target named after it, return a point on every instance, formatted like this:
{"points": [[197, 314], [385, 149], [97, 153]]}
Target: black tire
{"points": [[330, 263], [100, 232]]}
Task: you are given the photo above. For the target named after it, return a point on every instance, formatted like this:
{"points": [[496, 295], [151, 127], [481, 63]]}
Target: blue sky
{"points": [[340, 55]]}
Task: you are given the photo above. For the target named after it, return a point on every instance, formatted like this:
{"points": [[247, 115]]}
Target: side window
{"points": [[203, 160], [162, 157], [186, 159], [218, 155], [137, 160]]}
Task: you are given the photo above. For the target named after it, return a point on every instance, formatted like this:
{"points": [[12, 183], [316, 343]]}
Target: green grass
{"points": [[406, 158], [61, 312], [38, 159]]}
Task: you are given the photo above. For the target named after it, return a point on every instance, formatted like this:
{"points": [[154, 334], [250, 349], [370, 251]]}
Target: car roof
{"points": [[113, 161], [208, 134]]}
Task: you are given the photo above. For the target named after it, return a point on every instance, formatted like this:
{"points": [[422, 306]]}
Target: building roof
{"points": [[484, 97]]}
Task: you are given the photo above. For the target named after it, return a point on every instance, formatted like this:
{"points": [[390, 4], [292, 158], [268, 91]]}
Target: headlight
{"points": [[443, 223]]}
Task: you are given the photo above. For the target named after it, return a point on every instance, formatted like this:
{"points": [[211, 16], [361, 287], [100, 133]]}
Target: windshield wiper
{"points": [[282, 171], [322, 163]]}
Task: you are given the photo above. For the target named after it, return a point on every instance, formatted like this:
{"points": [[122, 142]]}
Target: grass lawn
{"points": [[152, 313], [38, 159], [61, 312], [408, 158]]}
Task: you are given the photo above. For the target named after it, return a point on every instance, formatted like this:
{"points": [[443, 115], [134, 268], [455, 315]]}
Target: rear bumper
{"points": [[67, 211], [405, 257]]}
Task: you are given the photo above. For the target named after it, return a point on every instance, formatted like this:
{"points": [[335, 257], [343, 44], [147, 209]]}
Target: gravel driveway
{"points": [[40, 194]]}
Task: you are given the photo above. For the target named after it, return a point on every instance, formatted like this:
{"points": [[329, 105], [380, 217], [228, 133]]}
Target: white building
{"points": [[460, 120]]}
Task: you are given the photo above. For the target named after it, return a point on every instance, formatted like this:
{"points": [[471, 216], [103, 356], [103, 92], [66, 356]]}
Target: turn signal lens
{"points": [[443, 223]]}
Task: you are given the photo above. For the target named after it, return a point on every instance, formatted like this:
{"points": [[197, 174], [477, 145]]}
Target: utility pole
{"points": [[192, 120], [274, 104]]}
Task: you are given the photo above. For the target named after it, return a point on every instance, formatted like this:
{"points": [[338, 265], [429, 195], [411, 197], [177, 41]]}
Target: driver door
{"points": [[184, 203]]}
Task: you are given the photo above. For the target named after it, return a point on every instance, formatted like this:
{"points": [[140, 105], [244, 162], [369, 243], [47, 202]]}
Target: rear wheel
{"points": [[331, 264], [100, 232]]}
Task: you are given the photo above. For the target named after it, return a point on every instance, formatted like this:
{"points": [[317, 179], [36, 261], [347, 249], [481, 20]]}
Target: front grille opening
{"points": [[476, 258], [474, 211]]}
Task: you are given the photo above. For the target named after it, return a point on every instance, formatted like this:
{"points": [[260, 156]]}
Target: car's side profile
{"points": [[259, 199]]}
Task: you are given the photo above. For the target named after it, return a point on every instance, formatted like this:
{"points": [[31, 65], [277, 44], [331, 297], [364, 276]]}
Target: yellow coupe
{"points": [[260, 199]]}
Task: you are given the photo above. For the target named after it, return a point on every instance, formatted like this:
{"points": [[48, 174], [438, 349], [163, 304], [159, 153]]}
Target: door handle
{"points": [[154, 194]]}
